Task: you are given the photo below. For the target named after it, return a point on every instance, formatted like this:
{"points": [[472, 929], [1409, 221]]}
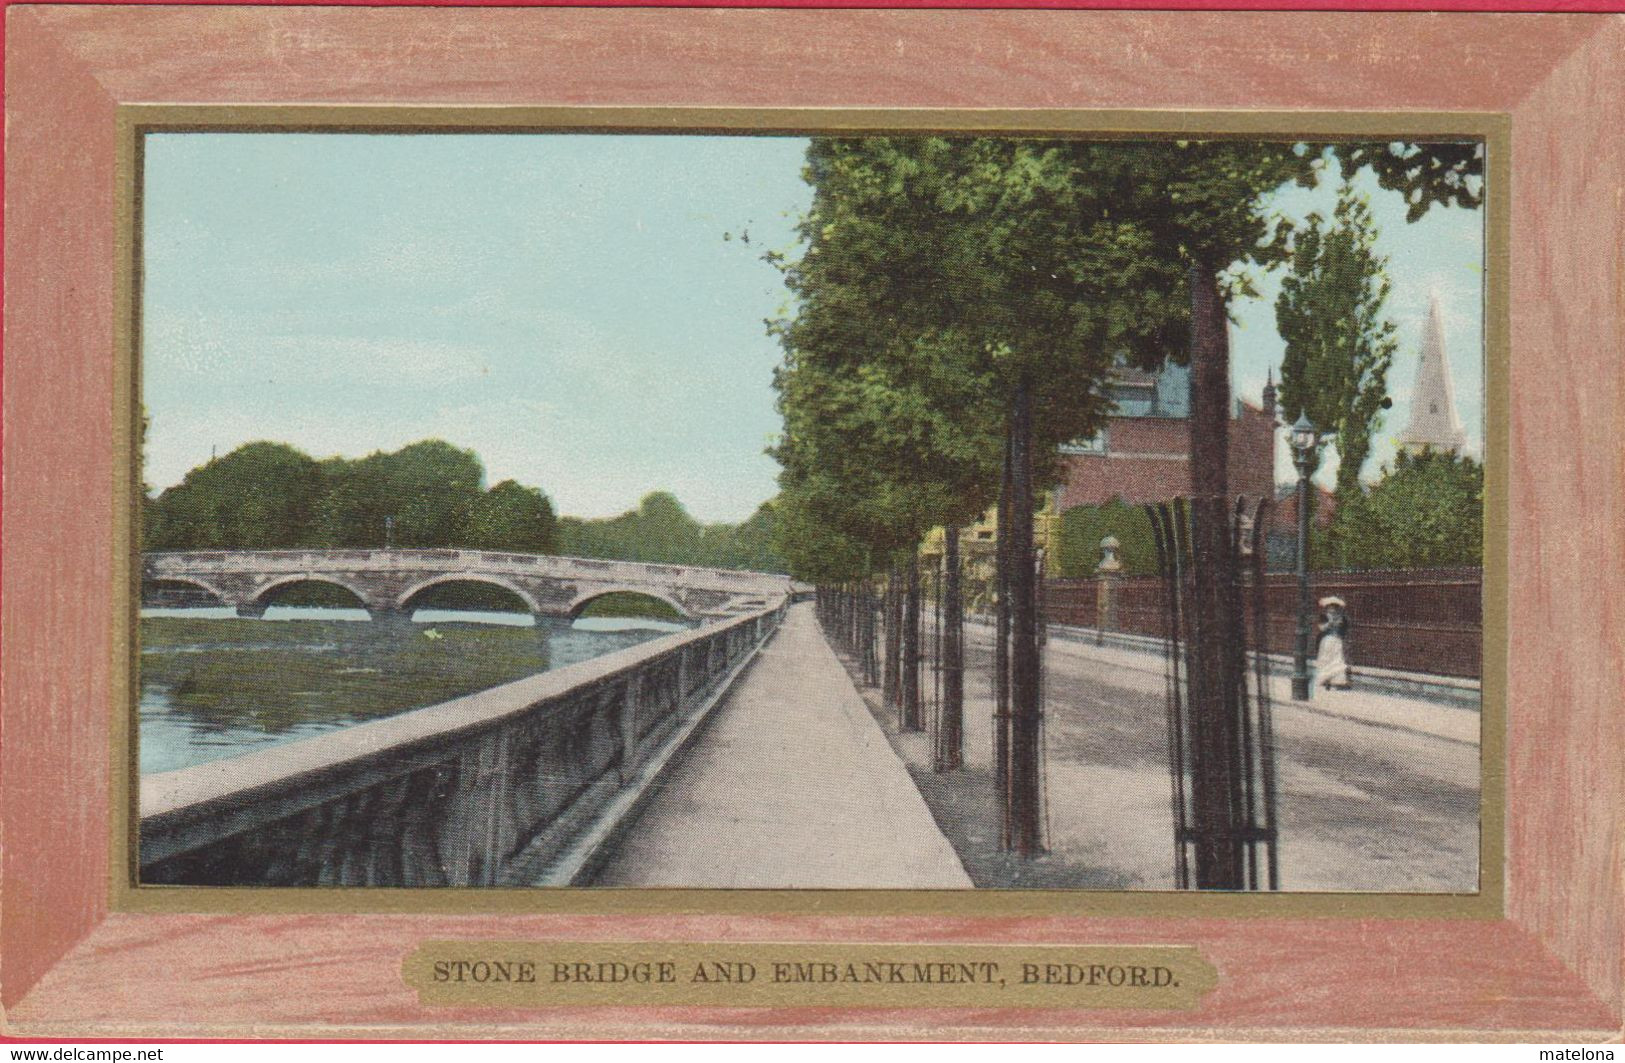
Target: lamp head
{"points": [[1304, 437]]}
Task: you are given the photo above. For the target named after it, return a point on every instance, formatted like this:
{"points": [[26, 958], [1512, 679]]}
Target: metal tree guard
{"points": [[936, 645], [949, 745], [1252, 812]]}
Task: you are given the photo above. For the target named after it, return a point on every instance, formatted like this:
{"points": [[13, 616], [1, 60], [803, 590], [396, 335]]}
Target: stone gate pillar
{"points": [[1106, 573]]}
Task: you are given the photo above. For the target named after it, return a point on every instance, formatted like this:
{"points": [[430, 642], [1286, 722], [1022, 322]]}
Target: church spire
{"points": [[1433, 402]]}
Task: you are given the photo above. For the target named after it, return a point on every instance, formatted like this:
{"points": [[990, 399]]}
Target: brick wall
{"points": [[1424, 620]]}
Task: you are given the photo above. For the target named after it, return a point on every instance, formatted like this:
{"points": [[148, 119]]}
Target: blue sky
{"points": [[582, 311]]}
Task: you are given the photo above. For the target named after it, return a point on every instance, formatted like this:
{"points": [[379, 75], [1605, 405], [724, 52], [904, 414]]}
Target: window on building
{"points": [[1096, 444]]}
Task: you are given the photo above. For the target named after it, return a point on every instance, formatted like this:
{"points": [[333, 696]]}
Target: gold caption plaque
{"points": [[764, 974]]}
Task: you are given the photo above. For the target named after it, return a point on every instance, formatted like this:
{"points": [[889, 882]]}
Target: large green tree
{"points": [[1427, 511], [431, 489], [260, 496], [1340, 343], [421, 495], [269, 495], [987, 284], [513, 517]]}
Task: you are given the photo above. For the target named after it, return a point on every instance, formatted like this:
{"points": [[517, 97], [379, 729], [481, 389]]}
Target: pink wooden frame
{"points": [[1551, 969]]}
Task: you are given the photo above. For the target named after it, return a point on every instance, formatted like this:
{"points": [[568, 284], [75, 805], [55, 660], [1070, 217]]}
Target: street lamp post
{"points": [[1305, 442]]}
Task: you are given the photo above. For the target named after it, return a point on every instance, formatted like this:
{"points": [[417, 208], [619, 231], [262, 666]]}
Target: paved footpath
{"points": [[790, 784]]}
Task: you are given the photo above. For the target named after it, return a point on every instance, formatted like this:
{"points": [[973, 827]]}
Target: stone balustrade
{"points": [[489, 789], [389, 582], [176, 563]]}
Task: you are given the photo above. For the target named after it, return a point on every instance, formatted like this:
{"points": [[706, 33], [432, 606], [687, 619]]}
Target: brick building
{"points": [[1286, 507], [1143, 453]]}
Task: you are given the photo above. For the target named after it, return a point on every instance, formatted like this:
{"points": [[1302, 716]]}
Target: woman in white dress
{"points": [[1331, 666]]}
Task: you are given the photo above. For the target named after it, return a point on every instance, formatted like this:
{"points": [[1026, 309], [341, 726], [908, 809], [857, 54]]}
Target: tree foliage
{"points": [[1078, 552], [429, 488], [1427, 511], [661, 531], [869, 463], [1427, 175], [261, 496], [936, 275], [272, 496], [513, 517], [1331, 313], [750, 545]]}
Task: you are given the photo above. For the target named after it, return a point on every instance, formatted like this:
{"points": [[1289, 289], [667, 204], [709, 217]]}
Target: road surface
{"points": [[1377, 792]]}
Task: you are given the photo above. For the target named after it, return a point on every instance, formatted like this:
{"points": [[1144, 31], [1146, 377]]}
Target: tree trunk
{"points": [[934, 717], [951, 729], [1001, 648], [852, 620], [1215, 764], [866, 631], [1026, 713], [842, 614], [874, 635], [913, 718], [891, 667]]}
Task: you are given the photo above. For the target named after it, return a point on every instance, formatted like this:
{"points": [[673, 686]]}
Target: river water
{"points": [[215, 686]]}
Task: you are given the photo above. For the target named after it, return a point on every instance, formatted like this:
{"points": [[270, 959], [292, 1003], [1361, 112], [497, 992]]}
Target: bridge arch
{"points": [[266, 596], [586, 598], [404, 602]]}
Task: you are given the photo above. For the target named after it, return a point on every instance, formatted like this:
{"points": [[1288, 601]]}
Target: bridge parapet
{"points": [[386, 581], [488, 789]]}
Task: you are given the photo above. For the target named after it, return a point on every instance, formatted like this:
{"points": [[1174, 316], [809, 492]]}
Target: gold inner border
{"points": [[136, 120]]}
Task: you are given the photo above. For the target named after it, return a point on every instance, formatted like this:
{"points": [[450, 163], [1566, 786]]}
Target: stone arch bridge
{"points": [[389, 583]]}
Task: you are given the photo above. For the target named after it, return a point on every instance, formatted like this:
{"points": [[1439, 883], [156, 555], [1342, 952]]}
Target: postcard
{"points": [[880, 563]]}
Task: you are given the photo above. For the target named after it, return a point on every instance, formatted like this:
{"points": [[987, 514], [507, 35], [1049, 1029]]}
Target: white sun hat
{"points": [[1332, 600]]}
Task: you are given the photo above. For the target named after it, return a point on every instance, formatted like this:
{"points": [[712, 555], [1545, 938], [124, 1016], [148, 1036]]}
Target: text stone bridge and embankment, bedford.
{"points": [[391, 583]]}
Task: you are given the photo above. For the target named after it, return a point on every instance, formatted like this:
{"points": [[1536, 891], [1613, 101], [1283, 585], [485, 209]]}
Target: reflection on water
{"points": [[214, 686]]}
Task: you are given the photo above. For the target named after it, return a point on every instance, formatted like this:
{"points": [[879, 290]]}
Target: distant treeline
{"points": [[661, 530], [269, 496]]}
